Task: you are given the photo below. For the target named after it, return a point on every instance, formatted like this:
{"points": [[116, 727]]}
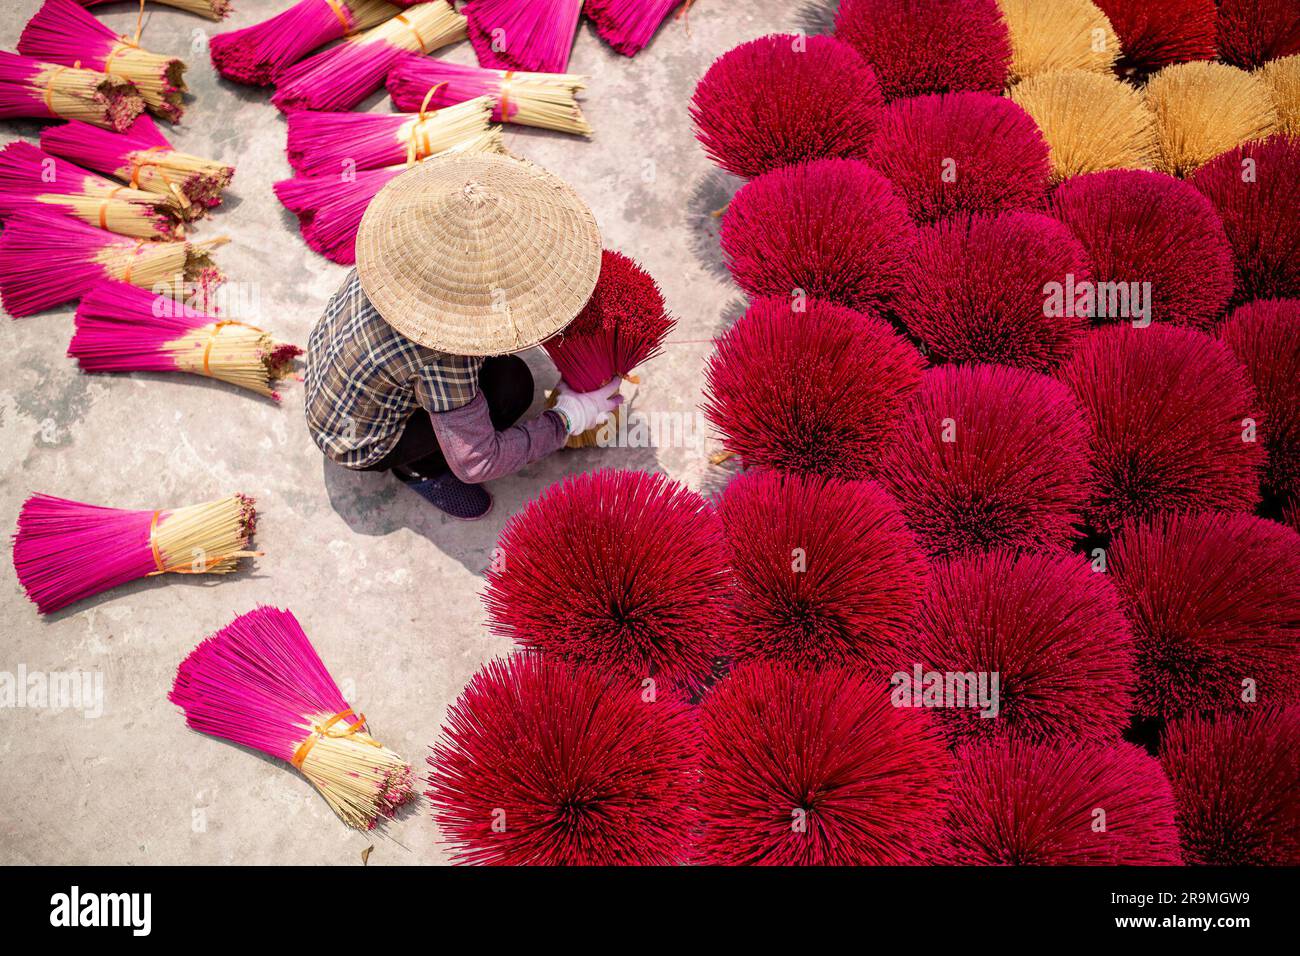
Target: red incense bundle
{"points": [[259, 683], [121, 328], [321, 143], [342, 76], [66, 550], [544, 100], [628, 25], [256, 54], [142, 157], [34, 180], [52, 91], [523, 34], [47, 259], [63, 32]]}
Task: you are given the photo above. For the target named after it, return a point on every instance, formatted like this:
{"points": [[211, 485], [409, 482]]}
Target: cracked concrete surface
{"points": [[387, 590]]}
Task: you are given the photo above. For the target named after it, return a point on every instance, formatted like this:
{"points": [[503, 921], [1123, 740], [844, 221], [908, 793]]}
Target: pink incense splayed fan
{"points": [[212, 9], [65, 551], [257, 54], [121, 328], [523, 34], [628, 25], [342, 76], [33, 88], [259, 682], [544, 763]]}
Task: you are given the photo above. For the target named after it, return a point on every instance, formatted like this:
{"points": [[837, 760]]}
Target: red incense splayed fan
{"points": [[543, 763], [259, 682]]}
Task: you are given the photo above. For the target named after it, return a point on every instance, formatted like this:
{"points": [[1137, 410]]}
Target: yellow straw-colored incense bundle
{"points": [[427, 134], [130, 212], [1203, 109], [233, 352], [1058, 35], [163, 171], [148, 264], [1091, 122], [1283, 79], [544, 100], [203, 539], [356, 774], [160, 79], [99, 99], [422, 28]]}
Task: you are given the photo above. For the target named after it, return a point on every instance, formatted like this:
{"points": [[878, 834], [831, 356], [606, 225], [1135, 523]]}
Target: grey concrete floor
{"points": [[388, 590]]}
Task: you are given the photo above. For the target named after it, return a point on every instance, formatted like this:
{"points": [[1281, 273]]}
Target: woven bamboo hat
{"points": [[478, 255]]}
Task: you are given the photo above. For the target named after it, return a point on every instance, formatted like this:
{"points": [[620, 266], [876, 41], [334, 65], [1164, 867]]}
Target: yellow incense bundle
{"points": [[1090, 121], [1058, 35], [1203, 109], [203, 539], [234, 352], [427, 134], [127, 212], [148, 264], [159, 79], [1282, 77], [67, 92], [356, 774]]}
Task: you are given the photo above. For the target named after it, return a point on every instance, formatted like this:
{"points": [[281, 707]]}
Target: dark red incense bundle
{"points": [[831, 229], [622, 325], [1214, 600], [1048, 625], [256, 54], [812, 391], [962, 152], [826, 571], [987, 456], [33, 88], [543, 763], [977, 289], [1252, 32], [929, 46], [259, 683], [806, 767], [1253, 189], [784, 99], [1167, 410], [1018, 803], [625, 570], [1235, 780], [1142, 228], [1155, 33], [1265, 337]]}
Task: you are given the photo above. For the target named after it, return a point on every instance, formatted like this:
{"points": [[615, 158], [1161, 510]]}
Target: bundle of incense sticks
{"points": [[143, 158], [523, 34], [47, 258], [67, 550], [259, 682], [52, 91], [33, 179], [545, 100], [329, 209], [212, 9], [256, 54], [329, 142], [628, 25], [62, 32], [122, 328], [342, 76]]}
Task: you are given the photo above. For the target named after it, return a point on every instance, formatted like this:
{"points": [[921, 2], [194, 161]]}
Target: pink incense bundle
{"points": [[34, 180], [52, 91], [334, 142], [329, 208], [544, 100], [622, 325], [826, 571], [256, 54], [1018, 803], [143, 158], [47, 259], [258, 682], [121, 328], [65, 551], [63, 32], [523, 34], [342, 76], [628, 25], [212, 9]]}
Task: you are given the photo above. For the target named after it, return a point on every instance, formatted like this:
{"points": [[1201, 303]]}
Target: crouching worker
{"points": [[460, 262]]}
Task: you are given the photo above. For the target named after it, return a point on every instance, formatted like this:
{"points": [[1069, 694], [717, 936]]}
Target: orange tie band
{"points": [[126, 274], [337, 7], [320, 731], [505, 95], [411, 26], [212, 338]]}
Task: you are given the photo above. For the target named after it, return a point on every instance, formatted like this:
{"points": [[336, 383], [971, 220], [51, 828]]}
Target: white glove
{"points": [[585, 410]]}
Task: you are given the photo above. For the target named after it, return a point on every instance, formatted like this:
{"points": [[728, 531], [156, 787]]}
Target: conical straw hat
{"points": [[478, 255]]}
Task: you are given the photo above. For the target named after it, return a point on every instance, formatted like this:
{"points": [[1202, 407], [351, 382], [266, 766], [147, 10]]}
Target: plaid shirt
{"points": [[365, 379]]}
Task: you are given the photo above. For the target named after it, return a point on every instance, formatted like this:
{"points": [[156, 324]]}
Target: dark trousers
{"points": [[507, 386]]}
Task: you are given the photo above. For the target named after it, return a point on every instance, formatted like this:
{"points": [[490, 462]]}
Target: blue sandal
{"points": [[452, 496]]}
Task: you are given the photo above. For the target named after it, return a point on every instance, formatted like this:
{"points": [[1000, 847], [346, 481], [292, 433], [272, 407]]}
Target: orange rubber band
{"points": [[410, 26], [138, 164], [126, 275], [343, 18], [320, 731], [212, 338], [153, 544], [505, 95], [49, 88]]}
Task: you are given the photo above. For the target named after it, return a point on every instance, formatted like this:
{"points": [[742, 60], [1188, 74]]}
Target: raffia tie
{"points": [[321, 731]]}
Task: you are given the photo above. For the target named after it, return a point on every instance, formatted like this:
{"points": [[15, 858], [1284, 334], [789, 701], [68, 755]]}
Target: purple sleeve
{"points": [[477, 452]]}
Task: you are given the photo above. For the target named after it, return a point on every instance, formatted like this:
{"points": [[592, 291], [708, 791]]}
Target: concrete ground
{"points": [[387, 589]]}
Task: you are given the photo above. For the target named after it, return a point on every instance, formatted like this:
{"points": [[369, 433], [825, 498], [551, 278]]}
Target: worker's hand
{"points": [[586, 410]]}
